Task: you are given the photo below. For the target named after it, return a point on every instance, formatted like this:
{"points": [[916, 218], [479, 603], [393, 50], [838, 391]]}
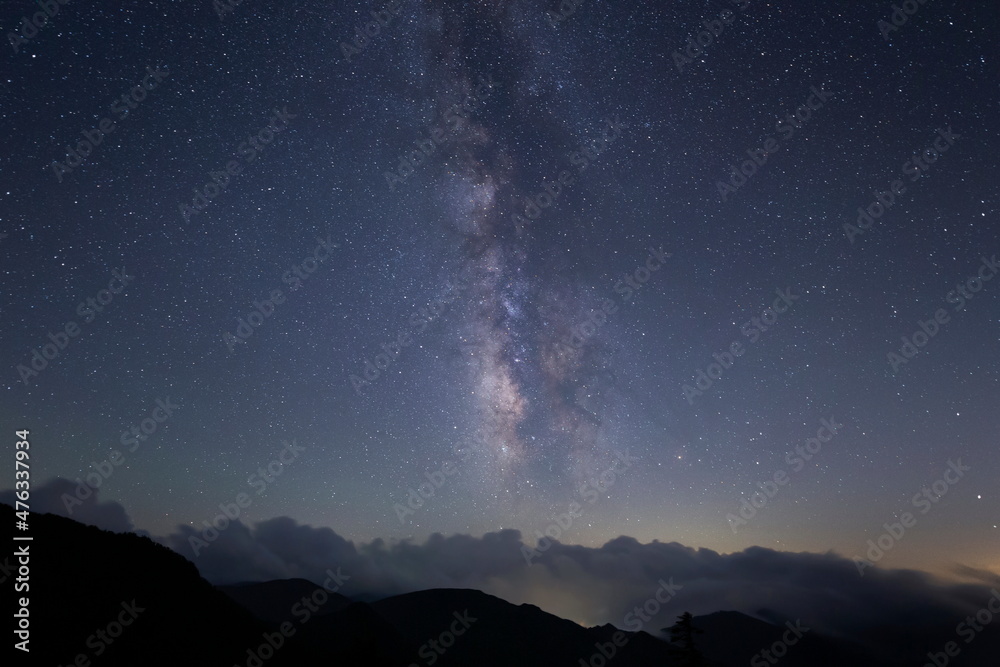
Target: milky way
{"points": [[529, 392], [488, 177]]}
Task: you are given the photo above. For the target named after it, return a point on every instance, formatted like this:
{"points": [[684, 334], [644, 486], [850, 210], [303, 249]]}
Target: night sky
{"points": [[499, 251]]}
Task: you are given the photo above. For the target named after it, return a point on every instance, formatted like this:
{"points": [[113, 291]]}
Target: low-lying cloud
{"points": [[589, 585]]}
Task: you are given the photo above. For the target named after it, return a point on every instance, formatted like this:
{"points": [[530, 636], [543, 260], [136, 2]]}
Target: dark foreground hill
{"points": [[109, 599]]}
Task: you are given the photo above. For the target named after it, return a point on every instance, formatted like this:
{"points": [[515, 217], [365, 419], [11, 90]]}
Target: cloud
{"points": [[282, 548], [596, 585], [589, 585], [58, 496]]}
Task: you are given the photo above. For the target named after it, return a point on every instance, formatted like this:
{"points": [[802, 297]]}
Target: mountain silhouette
{"points": [[85, 581], [123, 599]]}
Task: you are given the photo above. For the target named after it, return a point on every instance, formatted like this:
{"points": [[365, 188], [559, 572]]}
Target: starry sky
{"points": [[502, 250]]}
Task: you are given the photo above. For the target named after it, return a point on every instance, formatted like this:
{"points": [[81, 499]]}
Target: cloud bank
{"points": [[589, 585]]}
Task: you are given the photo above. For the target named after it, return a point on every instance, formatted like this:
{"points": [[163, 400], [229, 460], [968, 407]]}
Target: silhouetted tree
{"points": [[682, 639]]}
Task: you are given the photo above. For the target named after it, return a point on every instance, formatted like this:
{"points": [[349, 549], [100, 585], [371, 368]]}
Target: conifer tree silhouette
{"points": [[682, 634]]}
